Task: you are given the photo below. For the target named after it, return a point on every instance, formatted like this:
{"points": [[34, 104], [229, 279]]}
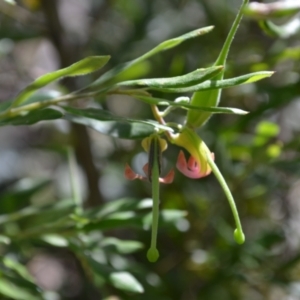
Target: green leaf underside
{"points": [[189, 79], [218, 84], [33, 117], [164, 102], [106, 123], [125, 281], [85, 66], [161, 47]]}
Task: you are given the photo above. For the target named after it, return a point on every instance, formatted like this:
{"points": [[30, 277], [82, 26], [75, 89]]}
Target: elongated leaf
{"points": [[82, 67], [13, 291], [30, 217], [218, 84], [18, 268], [41, 96], [122, 246], [55, 240], [216, 110], [189, 79], [42, 216], [124, 219], [119, 205], [168, 44], [105, 122], [132, 219], [125, 281], [33, 117], [212, 98], [17, 196]]}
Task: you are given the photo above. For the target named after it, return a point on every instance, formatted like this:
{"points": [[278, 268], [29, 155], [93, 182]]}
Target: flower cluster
{"points": [[200, 164], [196, 166]]}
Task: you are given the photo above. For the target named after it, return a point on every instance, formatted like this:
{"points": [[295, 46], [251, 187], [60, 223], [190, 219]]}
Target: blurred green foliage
{"points": [[50, 251]]}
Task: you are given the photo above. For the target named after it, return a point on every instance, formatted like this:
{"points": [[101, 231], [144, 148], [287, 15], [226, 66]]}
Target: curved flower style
{"points": [[200, 164]]}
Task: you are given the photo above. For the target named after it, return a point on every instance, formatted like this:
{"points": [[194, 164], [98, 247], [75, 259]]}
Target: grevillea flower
{"points": [[146, 144], [197, 166], [200, 164], [192, 168]]}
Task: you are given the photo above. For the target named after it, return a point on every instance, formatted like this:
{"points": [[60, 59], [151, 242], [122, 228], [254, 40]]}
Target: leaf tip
{"points": [[205, 29]]}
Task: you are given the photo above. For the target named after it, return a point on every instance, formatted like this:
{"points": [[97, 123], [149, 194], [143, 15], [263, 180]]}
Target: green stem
{"points": [[73, 180], [153, 253], [13, 112], [37, 105], [225, 50], [238, 233]]}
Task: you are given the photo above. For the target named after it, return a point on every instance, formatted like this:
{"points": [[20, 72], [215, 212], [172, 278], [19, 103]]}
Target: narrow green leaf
{"points": [[124, 204], [122, 246], [47, 215], [13, 291], [127, 219], [33, 217], [18, 195], [33, 117], [106, 123], [189, 79], [126, 282], [118, 70], [218, 84], [55, 240], [163, 102], [41, 96], [17, 267], [212, 98], [82, 67]]}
